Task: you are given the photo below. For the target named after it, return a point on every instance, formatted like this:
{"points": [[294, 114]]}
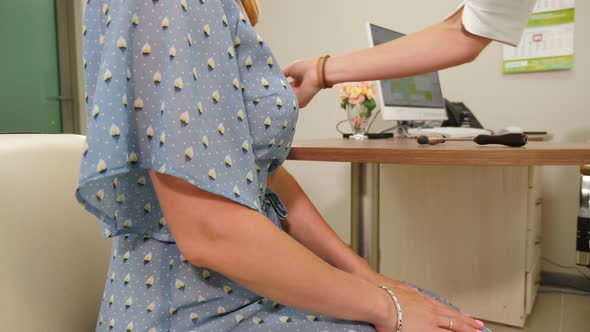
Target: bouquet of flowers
{"points": [[358, 100]]}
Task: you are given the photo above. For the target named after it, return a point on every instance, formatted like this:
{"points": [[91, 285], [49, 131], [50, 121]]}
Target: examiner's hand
{"points": [[304, 80]]}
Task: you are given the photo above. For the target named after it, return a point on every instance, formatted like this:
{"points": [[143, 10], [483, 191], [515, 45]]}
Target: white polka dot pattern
{"points": [[169, 88]]}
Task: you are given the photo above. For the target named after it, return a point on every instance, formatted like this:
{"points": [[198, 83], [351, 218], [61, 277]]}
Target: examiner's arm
{"points": [[443, 45], [455, 41], [440, 46]]}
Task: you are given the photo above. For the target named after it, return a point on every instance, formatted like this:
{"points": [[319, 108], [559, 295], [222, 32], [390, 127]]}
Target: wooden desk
{"points": [[407, 151], [504, 298]]}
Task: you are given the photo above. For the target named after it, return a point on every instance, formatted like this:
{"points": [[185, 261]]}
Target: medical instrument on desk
{"points": [[512, 140], [510, 130]]}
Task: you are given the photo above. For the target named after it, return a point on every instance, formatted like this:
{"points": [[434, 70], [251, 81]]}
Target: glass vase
{"points": [[359, 118]]}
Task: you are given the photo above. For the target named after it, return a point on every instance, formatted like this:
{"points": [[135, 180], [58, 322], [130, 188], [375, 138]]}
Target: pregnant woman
{"points": [[189, 121]]}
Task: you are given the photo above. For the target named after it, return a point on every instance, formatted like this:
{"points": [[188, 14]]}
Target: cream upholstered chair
{"points": [[53, 259]]}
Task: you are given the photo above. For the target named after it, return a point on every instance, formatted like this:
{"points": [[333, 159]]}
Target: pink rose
{"points": [[357, 100], [358, 122]]}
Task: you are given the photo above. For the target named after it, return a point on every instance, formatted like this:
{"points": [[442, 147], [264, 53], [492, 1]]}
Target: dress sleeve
{"points": [[500, 20], [164, 93]]}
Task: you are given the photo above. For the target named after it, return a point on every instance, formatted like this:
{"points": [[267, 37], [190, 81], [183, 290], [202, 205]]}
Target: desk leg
{"points": [[583, 236], [364, 230]]}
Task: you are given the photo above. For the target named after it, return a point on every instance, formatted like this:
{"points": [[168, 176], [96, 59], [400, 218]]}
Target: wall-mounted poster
{"points": [[548, 41]]}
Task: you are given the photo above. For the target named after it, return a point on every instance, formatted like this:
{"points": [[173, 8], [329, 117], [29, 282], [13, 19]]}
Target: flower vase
{"points": [[359, 118]]}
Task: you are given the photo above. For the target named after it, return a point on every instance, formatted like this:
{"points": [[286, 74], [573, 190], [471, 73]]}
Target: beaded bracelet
{"points": [[398, 307]]}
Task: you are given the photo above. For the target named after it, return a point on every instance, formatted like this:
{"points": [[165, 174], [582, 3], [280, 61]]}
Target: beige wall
{"points": [[556, 102]]}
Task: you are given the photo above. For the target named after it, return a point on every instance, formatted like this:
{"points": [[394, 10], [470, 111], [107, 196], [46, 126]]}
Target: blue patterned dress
{"points": [[187, 88]]}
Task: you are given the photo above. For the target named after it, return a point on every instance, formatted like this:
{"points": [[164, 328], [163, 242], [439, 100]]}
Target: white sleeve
{"points": [[500, 20]]}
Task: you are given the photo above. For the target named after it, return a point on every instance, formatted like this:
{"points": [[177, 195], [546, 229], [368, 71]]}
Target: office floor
{"points": [[554, 313]]}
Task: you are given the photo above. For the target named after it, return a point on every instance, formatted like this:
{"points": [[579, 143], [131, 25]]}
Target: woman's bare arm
{"points": [[443, 45], [215, 232], [308, 227]]}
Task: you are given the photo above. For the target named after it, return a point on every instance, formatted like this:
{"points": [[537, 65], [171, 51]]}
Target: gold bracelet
{"points": [[325, 83], [319, 71]]}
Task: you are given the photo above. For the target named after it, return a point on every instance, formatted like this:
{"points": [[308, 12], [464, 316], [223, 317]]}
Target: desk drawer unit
{"points": [[470, 234], [534, 220]]}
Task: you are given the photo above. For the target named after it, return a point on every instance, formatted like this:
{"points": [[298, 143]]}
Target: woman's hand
{"points": [[424, 314], [304, 80], [421, 312]]}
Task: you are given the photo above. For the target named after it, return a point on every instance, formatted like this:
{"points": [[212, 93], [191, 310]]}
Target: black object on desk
{"points": [[512, 140], [372, 135], [459, 116]]}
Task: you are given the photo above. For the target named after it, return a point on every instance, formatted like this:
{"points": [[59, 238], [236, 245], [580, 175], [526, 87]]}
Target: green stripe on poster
{"points": [[552, 18], [539, 64]]}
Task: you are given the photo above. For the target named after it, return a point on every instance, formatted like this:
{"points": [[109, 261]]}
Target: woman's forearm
{"points": [[267, 261], [410, 55], [245, 246], [307, 226]]}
